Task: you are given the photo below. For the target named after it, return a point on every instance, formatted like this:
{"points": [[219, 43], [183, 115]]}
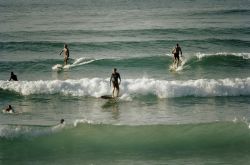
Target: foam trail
{"points": [[82, 61], [77, 62], [97, 87]]}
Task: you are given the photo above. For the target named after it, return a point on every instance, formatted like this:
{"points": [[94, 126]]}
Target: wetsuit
{"points": [[13, 77], [177, 53], [114, 78]]}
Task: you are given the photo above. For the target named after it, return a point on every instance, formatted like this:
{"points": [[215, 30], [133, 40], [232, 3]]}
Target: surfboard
{"points": [[107, 97], [4, 111]]}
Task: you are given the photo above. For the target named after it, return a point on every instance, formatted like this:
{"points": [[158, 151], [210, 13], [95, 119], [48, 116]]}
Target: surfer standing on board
{"points": [[176, 51], [114, 79], [66, 54]]}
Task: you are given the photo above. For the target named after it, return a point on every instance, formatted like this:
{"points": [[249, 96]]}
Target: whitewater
{"points": [[97, 87]]}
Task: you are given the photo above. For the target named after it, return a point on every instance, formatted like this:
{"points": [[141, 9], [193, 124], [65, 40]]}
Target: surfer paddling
{"points": [[66, 54], [176, 52], [114, 79]]}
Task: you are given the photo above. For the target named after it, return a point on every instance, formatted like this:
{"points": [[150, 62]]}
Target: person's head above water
{"points": [[114, 70], [62, 121], [65, 46]]}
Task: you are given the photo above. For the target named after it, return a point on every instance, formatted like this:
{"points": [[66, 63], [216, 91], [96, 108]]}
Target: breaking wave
{"points": [[97, 87]]}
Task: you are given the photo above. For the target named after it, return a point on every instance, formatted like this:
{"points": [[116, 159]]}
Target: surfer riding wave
{"points": [[114, 79], [176, 52]]}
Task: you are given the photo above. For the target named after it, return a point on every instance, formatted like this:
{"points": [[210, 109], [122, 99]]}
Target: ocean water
{"points": [[198, 114]]}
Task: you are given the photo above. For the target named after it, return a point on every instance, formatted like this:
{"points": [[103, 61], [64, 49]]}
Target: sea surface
{"points": [[196, 115]]}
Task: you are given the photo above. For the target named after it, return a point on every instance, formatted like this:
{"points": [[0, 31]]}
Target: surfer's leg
{"points": [[65, 60], [116, 88], [113, 91], [178, 60], [117, 93], [175, 60]]}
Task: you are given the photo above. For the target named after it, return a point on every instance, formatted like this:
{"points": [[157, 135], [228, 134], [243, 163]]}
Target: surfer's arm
{"points": [[120, 79], [110, 80], [61, 52], [11, 78], [173, 51]]}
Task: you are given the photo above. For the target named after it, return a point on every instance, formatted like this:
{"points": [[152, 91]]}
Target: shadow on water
{"points": [[112, 105]]}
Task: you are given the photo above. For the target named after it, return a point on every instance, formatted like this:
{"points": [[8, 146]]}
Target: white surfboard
{"points": [[4, 111]]}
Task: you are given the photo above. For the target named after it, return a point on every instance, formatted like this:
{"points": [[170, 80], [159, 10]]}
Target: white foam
{"points": [[57, 67], [97, 87], [82, 121], [243, 55]]}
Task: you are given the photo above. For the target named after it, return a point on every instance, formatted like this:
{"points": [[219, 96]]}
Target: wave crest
{"points": [[97, 87], [243, 55]]}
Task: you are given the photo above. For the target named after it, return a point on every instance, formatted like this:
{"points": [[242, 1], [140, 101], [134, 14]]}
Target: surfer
{"points": [[66, 54], [9, 109], [114, 79], [62, 121], [13, 77], [176, 51]]}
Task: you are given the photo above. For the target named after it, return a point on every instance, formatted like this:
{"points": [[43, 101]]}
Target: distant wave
{"points": [[221, 12], [133, 44], [153, 62], [243, 55], [97, 87], [122, 34]]}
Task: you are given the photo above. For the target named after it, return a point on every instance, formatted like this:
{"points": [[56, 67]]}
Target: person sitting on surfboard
{"points": [[9, 109], [176, 51], [13, 77], [66, 54], [114, 79]]}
